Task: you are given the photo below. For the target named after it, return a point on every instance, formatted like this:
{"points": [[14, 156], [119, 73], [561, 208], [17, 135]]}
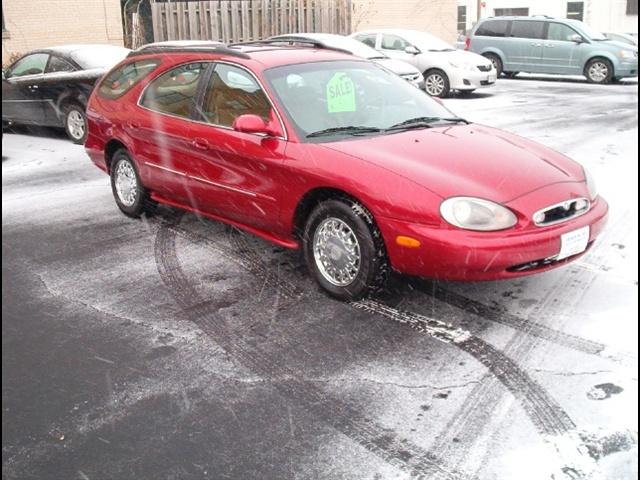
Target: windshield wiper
{"points": [[423, 122], [349, 130]]}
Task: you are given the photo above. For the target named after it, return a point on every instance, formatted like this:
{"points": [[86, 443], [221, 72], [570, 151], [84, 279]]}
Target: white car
{"points": [[444, 68], [330, 40]]}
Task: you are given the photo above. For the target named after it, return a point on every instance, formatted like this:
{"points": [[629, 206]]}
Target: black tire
{"points": [[435, 75], [466, 93], [511, 74], [74, 113], [373, 267], [142, 203], [497, 63], [603, 65]]}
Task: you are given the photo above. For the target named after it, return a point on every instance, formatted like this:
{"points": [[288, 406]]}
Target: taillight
{"points": [[467, 43]]}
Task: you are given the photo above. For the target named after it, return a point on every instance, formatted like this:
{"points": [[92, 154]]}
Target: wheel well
{"points": [[429, 70], [110, 149], [599, 57], [310, 200]]}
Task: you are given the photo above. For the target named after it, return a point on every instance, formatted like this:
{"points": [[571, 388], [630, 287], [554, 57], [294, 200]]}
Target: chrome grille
{"points": [[411, 77], [561, 212]]}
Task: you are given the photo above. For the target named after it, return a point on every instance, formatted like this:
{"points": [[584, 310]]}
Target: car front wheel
{"points": [[436, 83], [75, 123], [599, 70], [344, 249]]}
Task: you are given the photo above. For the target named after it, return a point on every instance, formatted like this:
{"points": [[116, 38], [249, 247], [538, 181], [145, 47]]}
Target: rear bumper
{"points": [[455, 254]]}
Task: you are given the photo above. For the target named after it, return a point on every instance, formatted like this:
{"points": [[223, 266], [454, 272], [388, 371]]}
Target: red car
{"points": [[316, 149]]}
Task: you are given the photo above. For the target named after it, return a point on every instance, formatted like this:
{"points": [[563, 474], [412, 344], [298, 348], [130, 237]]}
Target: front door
{"points": [[561, 54], [394, 47], [238, 175], [21, 99]]}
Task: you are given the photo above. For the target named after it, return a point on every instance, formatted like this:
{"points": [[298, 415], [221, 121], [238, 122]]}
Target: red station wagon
{"points": [[316, 149]]}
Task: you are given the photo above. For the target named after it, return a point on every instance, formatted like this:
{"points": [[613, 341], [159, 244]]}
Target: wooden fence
{"points": [[245, 20]]}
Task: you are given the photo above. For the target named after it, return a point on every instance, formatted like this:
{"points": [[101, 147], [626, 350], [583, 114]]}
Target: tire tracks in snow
{"points": [[336, 413], [545, 413]]}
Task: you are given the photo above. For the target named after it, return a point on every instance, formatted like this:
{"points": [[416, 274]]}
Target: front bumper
{"points": [[472, 79], [627, 69], [454, 254]]}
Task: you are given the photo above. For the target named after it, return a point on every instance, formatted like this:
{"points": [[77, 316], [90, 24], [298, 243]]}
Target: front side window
{"points": [[394, 42], [560, 32], [57, 64], [328, 101], [29, 65], [174, 91], [368, 39], [232, 91], [493, 28], [123, 79], [527, 29]]}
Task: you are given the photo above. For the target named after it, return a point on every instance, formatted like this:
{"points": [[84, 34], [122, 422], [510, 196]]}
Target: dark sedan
{"points": [[50, 87]]}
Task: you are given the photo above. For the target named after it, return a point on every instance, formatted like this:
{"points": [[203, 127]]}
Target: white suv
{"points": [[444, 68]]}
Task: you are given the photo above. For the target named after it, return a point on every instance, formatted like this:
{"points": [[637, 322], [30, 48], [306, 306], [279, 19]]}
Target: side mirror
{"points": [[411, 50], [250, 123], [576, 38]]}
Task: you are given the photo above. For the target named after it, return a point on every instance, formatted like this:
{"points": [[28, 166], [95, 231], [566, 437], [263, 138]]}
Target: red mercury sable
{"points": [[316, 149]]}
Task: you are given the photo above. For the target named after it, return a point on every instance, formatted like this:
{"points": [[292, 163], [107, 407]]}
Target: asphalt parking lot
{"points": [[178, 348]]}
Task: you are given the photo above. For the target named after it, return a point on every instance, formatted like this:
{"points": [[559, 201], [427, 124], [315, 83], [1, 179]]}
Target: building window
{"points": [[632, 7], [575, 10], [462, 18], [503, 12]]}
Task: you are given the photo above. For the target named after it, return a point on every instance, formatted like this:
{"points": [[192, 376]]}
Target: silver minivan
{"points": [[552, 45]]}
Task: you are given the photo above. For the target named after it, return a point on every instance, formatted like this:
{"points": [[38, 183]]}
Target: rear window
{"points": [[527, 29], [493, 28], [123, 79]]}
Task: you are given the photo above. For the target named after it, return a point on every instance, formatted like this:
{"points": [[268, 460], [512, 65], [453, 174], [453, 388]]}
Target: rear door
{"points": [[163, 132], [525, 46], [21, 100], [561, 54]]}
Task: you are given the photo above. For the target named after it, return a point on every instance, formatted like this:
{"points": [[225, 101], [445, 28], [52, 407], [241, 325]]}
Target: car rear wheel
{"points": [[511, 74], [129, 193], [344, 249], [436, 83], [599, 70], [75, 122], [495, 60]]}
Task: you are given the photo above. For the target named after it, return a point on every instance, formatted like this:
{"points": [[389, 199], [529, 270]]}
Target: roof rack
{"points": [[289, 41], [544, 16], [203, 48]]}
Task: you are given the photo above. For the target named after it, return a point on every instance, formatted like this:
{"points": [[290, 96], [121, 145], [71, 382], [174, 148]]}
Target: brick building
{"points": [[30, 24]]}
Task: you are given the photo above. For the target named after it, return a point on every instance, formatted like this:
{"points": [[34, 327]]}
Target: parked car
{"points": [[552, 45], [627, 38], [336, 155], [407, 71], [50, 87], [444, 68]]}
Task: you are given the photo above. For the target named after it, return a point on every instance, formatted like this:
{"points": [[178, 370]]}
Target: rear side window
{"points": [[57, 64], [493, 28], [123, 79], [174, 91], [527, 29]]}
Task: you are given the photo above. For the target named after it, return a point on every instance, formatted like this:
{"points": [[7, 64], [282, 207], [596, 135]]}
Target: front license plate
{"points": [[491, 79], [573, 243]]}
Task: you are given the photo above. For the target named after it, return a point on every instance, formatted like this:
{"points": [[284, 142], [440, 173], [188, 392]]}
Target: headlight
{"points": [[463, 66], [626, 54], [476, 214], [591, 184]]}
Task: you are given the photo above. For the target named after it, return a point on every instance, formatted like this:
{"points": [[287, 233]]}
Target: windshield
{"points": [[346, 98], [99, 56], [591, 33], [426, 42]]}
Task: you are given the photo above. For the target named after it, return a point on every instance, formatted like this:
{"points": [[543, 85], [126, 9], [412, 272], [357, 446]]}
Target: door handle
{"points": [[200, 143], [549, 45], [33, 87], [536, 44]]}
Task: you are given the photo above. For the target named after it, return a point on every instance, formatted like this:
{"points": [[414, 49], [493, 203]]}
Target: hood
{"points": [[470, 160], [397, 66], [620, 45]]}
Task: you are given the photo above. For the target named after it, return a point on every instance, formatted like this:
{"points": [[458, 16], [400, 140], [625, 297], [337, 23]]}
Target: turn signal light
{"points": [[407, 241]]}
